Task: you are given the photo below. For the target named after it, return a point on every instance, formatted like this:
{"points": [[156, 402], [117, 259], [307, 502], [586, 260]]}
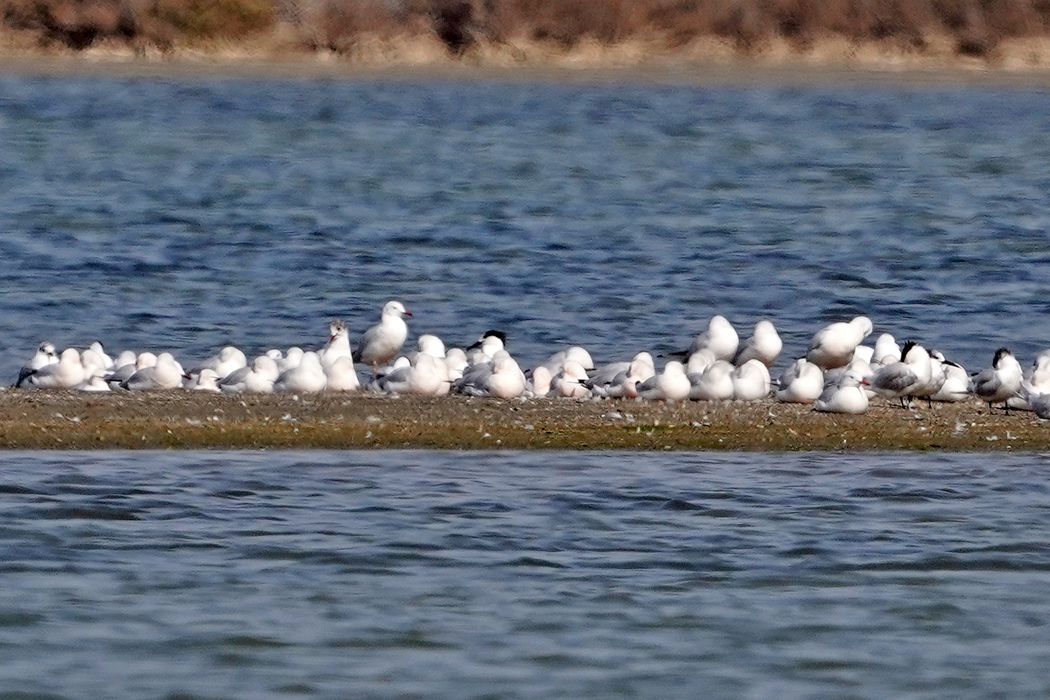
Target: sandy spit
{"points": [[63, 420]]}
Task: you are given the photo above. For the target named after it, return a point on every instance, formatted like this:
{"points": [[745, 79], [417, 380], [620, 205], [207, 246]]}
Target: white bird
{"points": [[207, 380], [956, 386], [720, 338], [576, 353], [107, 361], [227, 360], [618, 379], [670, 385], [456, 362], [886, 350], [95, 383], [258, 378], [699, 361], [502, 378], [340, 375], [487, 346], [764, 345], [751, 381], [833, 345], [165, 374], [1000, 381], [713, 384], [292, 357], [308, 377], [569, 382], [802, 382], [847, 396], [64, 374], [383, 341], [539, 384], [908, 377], [338, 344], [425, 375], [45, 355]]}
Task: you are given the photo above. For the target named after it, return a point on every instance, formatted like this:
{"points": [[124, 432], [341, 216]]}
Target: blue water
{"points": [[184, 215], [493, 575]]}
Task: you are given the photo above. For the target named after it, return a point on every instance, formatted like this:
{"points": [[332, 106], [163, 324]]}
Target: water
{"points": [[501, 575], [186, 214]]}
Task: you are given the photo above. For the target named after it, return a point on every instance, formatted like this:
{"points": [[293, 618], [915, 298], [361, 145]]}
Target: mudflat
{"points": [[178, 419]]}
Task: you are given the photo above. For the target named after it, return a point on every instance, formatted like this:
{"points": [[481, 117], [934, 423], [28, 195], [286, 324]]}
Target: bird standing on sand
{"points": [[383, 341], [833, 345], [1000, 381]]}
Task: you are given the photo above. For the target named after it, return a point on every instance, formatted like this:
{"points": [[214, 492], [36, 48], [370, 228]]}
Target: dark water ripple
{"points": [[418, 574], [187, 214]]}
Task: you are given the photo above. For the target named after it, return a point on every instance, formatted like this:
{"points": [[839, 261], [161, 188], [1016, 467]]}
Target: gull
{"points": [[207, 380], [720, 338], [847, 396], [307, 377], [107, 361], [225, 361], [670, 385], [569, 382], [956, 386], [699, 361], [619, 379], [750, 381], [258, 378], [45, 355], [383, 341], [886, 350], [64, 374], [577, 354], [456, 362], [425, 376], [292, 357], [95, 383], [338, 344], [488, 345], [340, 375], [1000, 381], [165, 374], [539, 384], [713, 384], [906, 378], [764, 345], [802, 382], [833, 345], [502, 378]]}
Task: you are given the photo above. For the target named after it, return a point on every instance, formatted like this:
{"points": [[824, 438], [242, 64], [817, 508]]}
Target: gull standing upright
{"points": [[383, 341], [1000, 381]]}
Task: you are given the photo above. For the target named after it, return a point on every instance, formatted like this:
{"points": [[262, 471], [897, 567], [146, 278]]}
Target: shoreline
{"points": [[183, 420], [1027, 64]]}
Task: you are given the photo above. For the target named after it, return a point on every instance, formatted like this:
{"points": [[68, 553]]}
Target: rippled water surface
{"points": [[182, 215], [524, 575]]}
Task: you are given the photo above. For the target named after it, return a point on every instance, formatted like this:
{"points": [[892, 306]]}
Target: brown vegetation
{"points": [[976, 27]]}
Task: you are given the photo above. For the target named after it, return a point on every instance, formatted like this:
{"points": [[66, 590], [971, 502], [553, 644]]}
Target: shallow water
{"points": [[524, 575], [186, 214]]}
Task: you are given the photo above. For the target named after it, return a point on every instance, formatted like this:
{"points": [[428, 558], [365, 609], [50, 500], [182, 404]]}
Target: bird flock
{"points": [[838, 374]]}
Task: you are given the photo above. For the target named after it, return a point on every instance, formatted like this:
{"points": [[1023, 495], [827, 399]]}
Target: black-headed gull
{"points": [[715, 383], [308, 377], [670, 385]]}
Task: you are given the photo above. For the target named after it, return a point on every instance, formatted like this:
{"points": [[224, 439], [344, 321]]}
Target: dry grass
{"points": [[976, 28]]}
